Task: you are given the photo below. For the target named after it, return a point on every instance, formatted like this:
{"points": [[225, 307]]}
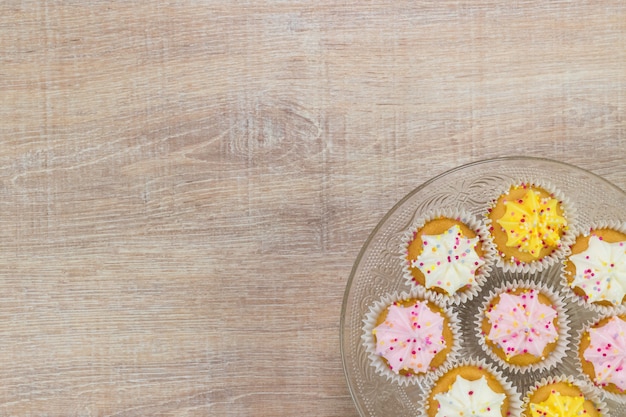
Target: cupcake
{"points": [[523, 327], [448, 254], [471, 388], [596, 268], [562, 397], [528, 224], [407, 337], [602, 355]]}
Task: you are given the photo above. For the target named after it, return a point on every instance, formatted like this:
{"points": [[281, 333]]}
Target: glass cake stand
{"points": [[377, 270]]}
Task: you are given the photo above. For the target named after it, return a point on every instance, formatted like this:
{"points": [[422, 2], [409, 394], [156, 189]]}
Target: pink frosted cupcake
{"points": [[602, 355], [407, 337], [523, 326]]}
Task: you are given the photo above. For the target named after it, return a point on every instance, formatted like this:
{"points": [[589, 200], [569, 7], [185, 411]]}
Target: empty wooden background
{"points": [[186, 184]]}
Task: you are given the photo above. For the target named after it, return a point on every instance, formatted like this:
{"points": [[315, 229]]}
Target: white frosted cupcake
{"points": [[523, 327], [408, 337], [562, 396], [447, 254], [472, 388], [530, 222], [595, 271]]}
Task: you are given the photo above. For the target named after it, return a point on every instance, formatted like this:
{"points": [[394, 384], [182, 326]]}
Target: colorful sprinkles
{"points": [[532, 223], [607, 353], [449, 260], [410, 337], [521, 324]]}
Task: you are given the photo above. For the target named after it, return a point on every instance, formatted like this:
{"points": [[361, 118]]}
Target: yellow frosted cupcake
{"points": [[562, 397], [528, 224]]}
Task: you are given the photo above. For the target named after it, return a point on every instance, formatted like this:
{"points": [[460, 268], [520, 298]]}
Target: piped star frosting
{"points": [[601, 270], [449, 260], [607, 353], [470, 398], [410, 337], [559, 405], [532, 223], [522, 324]]}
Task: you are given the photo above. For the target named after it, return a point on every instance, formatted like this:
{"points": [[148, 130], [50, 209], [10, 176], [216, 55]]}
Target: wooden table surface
{"points": [[185, 185]]}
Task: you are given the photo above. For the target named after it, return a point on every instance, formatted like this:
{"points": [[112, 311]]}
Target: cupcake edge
{"points": [[569, 213], [585, 388], [560, 350], [484, 271], [515, 402], [619, 398], [369, 323], [577, 299]]}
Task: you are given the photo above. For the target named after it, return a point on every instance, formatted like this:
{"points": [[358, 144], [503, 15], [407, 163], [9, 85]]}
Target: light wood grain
{"points": [[185, 185]]}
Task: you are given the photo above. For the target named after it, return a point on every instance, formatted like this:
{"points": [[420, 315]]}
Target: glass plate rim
{"points": [[393, 209]]}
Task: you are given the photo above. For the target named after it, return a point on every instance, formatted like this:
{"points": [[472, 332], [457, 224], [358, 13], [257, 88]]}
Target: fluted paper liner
{"points": [[586, 389], [370, 343], [563, 328], [581, 301], [511, 392], [620, 398], [569, 213], [464, 294]]}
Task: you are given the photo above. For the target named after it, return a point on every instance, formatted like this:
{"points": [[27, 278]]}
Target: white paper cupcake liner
{"points": [[586, 230], [562, 343], [588, 392], [469, 220], [515, 402], [369, 323], [569, 212], [619, 398]]}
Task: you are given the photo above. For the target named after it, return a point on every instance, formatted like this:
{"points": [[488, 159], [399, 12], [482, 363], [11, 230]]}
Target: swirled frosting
{"points": [[559, 405], [601, 270], [448, 260], [522, 324], [470, 398], [532, 223], [607, 353], [410, 337]]}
